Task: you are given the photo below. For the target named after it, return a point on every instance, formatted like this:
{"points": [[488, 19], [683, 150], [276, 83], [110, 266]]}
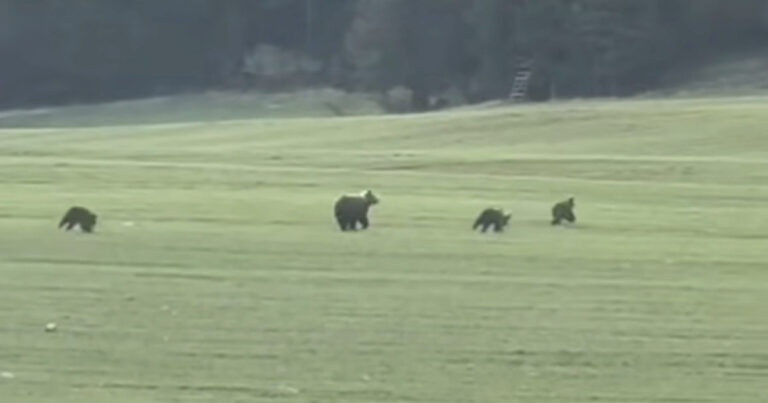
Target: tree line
{"points": [[59, 51]]}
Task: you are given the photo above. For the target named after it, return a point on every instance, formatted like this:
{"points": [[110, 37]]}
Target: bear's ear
{"points": [[370, 196]]}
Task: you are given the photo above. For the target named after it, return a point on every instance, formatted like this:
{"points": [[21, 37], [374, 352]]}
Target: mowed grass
{"points": [[217, 273]]}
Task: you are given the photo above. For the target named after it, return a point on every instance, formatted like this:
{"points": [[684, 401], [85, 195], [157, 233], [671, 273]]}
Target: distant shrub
{"points": [[271, 65], [398, 100], [448, 98]]}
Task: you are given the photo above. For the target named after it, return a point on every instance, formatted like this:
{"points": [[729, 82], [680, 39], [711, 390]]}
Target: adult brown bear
{"points": [[492, 217], [563, 211], [352, 209], [79, 216]]}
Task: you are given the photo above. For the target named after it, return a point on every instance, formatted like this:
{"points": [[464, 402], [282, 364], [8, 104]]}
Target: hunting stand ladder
{"points": [[523, 74]]}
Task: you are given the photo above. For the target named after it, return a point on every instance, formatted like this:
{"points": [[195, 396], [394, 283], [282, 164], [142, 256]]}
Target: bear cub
{"points": [[563, 211], [79, 216], [492, 217]]}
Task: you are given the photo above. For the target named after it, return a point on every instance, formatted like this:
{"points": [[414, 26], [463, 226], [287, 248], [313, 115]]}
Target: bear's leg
{"points": [[498, 227], [342, 223], [485, 226], [71, 224], [364, 222], [556, 221]]}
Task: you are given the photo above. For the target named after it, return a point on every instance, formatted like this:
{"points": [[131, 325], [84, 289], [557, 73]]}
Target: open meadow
{"points": [[217, 273]]}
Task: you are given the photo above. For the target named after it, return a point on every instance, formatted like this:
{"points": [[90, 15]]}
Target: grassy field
{"points": [[214, 105], [217, 273]]}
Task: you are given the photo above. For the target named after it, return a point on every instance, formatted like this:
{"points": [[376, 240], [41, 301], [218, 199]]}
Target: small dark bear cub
{"points": [[352, 209], [492, 217], [563, 211], [79, 216]]}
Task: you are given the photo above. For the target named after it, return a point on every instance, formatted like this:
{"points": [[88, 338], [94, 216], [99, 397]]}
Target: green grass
{"points": [[234, 285], [209, 106]]}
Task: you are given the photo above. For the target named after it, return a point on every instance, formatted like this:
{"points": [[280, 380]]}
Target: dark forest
{"points": [[67, 51]]}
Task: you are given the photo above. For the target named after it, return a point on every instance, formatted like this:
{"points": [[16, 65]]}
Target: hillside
{"points": [[209, 106]]}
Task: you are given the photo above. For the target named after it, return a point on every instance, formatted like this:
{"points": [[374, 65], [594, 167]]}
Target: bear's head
{"points": [[88, 223], [370, 198], [505, 219]]}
